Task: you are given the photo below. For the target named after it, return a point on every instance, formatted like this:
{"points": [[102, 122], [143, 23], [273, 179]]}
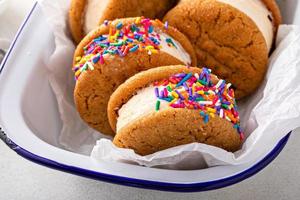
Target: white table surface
{"points": [[21, 179]]}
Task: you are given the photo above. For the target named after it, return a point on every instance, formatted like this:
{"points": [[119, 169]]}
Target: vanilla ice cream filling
{"points": [[93, 12], [177, 51], [259, 13], [141, 104]]}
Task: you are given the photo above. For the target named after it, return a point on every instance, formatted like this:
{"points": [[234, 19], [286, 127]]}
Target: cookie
{"points": [[86, 15], [174, 105], [110, 54], [232, 37]]}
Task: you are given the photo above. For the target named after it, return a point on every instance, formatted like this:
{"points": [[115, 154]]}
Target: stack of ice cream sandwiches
{"points": [[153, 85]]}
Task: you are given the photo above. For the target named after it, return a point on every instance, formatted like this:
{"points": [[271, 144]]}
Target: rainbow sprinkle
{"points": [[121, 40], [166, 25], [197, 91]]}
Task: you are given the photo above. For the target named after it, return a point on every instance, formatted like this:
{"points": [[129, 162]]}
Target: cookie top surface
{"points": [[125, 36], [259, 13], [173, 127], [225, 40], [180, 88]]}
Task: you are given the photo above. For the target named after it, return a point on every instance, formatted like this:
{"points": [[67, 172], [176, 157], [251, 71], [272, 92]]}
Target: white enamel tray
{"points": [[29, 122]]}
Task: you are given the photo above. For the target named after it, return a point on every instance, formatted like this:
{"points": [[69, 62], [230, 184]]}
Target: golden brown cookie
{"points": [[109, 55], [174, 105], [85, 15], [235, 45]]}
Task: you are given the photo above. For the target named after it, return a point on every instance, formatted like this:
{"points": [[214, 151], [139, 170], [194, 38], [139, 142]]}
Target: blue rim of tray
{"points": [[155, 185]]}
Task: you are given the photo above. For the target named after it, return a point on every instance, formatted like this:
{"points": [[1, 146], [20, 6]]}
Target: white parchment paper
{"points": [[267, 116]]}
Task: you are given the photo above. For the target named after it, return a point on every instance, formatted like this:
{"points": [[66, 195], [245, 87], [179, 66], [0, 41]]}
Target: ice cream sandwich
{"points": [[174, 105], [233, 37]]}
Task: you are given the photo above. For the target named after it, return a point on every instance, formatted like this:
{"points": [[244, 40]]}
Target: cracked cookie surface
{"points": [[173, 127], [225, 40]]}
